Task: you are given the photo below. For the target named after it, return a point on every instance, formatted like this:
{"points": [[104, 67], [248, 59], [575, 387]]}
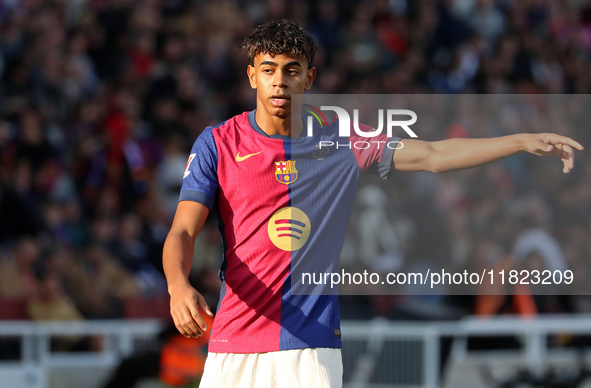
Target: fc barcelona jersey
{"points": [[283, 204]]}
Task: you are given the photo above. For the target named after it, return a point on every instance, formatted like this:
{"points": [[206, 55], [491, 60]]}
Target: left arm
{"points": [[455, 154]]}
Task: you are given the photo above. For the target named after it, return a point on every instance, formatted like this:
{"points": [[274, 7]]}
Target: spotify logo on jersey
{"points": [[289, 228]]}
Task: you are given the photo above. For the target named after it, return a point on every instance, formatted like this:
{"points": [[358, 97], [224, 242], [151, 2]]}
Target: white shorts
{"points": [[315, 367]]}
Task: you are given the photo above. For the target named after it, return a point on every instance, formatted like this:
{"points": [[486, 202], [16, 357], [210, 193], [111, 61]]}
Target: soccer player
{"points": [[277, 218]]}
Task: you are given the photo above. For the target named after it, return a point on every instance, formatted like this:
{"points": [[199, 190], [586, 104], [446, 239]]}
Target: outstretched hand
{"points": [[550, 144]]}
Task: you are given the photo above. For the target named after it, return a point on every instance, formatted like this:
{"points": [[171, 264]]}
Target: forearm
{"points": [[454, 154], [177, 258]]}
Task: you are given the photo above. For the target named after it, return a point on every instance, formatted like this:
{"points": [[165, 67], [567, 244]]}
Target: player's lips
{"points": [[279, 99]]}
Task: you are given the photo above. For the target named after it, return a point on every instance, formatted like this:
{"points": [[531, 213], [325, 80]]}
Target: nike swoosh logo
{"points": [[241, 158]]}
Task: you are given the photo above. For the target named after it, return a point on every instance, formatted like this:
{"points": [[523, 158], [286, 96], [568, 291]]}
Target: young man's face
{"points": [[276, 78]]}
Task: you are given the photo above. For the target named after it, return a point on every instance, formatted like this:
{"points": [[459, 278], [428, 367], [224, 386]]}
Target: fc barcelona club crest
{"points": [[285, 171]]}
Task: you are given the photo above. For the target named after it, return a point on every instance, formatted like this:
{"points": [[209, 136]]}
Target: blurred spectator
{"points": [[51, 304], [170, 172], [377, 236], [133, 254], [17, 275]]}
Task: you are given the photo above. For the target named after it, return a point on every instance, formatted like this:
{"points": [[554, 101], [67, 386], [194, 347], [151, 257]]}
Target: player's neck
{"points": [[274, 125]]}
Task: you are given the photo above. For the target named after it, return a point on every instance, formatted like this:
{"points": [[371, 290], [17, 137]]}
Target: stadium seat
{"points": [[147, 307], [13, 308]]}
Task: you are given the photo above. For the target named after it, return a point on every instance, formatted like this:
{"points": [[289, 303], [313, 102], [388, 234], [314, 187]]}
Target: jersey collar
{"points": [[253, 123]]}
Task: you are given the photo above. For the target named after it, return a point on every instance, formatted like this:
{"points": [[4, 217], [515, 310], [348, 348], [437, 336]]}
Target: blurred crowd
{"points": [[102, 100]]}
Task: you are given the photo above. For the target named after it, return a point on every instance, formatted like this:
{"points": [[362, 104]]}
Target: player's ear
{"points": [[311, 74], [251, 76]]}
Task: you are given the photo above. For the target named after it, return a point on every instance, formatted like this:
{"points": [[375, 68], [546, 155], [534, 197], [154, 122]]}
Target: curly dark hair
{"points": [[280, 37]]}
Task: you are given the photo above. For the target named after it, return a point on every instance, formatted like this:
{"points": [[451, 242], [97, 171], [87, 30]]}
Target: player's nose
{"points": [[279, 79]]}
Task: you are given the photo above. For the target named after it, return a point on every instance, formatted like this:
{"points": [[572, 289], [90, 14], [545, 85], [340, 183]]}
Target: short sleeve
{"points": [[200, 180], [374, 154]]}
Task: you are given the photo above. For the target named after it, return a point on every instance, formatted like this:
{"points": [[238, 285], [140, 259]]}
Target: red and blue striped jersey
{"points": [[283, 206]]}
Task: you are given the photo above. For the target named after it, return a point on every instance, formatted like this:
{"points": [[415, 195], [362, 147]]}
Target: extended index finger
{"points": [[571, 142]]}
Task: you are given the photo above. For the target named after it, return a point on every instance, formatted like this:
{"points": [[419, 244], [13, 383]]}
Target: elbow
{"points": [[436, 169], [434, 165], [433, 162]]}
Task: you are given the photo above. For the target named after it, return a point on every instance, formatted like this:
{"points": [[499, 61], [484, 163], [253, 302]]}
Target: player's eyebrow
{"points": [[293, 63], [271, 63]]}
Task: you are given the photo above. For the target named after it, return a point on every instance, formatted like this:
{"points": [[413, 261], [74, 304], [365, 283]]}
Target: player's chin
{"points": [[280, 111]]}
